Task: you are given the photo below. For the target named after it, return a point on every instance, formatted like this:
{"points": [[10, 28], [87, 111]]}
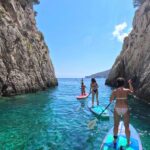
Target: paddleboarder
{"points": [[94, 91], [83, 88], [120, 94]]}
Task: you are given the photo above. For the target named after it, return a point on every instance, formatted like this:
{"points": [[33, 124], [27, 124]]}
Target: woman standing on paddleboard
{"points": [[83, 88], [94, 91], [121, 107]]}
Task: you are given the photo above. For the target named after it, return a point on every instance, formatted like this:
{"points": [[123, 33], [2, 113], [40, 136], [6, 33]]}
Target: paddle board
{"points": [[98, 109], [82, 96], [107, 143]]}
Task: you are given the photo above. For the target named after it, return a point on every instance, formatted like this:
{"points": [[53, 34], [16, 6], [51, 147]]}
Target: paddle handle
{"points": [[105, 109]]}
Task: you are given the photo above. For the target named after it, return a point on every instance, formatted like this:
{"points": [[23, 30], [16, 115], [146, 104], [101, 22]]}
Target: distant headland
{"points": [[103, 74]]}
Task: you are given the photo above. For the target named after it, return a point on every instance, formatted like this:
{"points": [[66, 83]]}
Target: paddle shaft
{"points": [[89, 94], [93, 122], [109, 109], [105, 109]]}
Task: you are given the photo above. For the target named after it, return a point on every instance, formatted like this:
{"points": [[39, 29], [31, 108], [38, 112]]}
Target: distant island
{"points": [[103, 74]]}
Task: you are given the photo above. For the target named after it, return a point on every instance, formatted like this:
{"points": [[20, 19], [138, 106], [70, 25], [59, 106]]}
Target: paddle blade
{"points": [[78, 109], [92, 124]]}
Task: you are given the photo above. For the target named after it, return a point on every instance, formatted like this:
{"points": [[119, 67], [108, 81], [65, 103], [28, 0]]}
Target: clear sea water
{"points": [[55, 120]]}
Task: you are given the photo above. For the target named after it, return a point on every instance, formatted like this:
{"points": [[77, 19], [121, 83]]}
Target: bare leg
{"points": [[97, 98], [126, 124], [116, 124], [93, 94], [83, 92]]}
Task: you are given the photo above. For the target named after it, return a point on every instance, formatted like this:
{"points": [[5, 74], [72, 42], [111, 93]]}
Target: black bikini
{"points": [[95, 91]]}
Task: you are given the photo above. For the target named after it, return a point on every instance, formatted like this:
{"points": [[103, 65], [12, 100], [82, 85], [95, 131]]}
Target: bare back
{"points": [[121, 96]]}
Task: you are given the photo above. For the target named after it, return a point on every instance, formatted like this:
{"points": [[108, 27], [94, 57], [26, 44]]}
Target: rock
{"points": [[134, 59], [25, 65], [103, 74]]}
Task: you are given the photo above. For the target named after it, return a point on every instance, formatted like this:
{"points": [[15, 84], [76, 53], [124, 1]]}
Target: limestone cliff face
{"points": [[134, 60], [25, 65]]}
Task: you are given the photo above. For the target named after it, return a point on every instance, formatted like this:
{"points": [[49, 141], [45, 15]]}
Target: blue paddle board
{"points": [[98, 109], [108, 144]]}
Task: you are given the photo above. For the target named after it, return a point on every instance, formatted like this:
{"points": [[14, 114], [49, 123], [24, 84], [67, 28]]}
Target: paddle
{"points": [[80, 106], [92, 123], [105, 109], [108, 109], [89, 94]]}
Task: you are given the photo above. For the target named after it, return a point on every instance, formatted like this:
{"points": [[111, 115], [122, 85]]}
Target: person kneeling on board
{"points": [[121, 107], [94, 91]]}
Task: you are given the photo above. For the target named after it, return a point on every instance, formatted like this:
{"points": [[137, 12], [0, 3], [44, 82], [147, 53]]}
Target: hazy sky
{"points": [[84, 36]]}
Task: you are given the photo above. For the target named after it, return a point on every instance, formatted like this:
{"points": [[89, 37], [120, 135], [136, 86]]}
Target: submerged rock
{"points": [[134, 60], [25, 65]]}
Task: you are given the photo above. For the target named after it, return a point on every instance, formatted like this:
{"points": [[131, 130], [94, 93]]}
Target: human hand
{"points": [[130, 81]]}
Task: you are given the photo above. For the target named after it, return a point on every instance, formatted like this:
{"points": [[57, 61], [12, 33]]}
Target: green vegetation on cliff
{"points": [[137, 3]]}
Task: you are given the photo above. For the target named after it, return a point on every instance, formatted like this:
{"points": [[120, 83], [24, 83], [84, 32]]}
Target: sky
{"points": [[84, 36]]}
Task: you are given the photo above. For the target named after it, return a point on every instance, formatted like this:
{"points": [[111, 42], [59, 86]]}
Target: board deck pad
{"points": [[98, 109], [121, 140]]}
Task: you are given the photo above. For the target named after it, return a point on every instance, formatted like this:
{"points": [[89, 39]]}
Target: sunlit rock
{"points": [[25, 65], [134, 60]]}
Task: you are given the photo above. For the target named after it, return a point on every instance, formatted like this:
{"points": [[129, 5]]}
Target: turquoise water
{"points": [[54, 120]]}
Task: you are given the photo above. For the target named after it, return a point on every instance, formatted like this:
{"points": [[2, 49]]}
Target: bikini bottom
{"points": [[121, 111]]}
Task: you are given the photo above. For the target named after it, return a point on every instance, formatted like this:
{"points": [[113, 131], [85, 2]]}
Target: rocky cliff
{"points": [[134, 60], [25, 65]]}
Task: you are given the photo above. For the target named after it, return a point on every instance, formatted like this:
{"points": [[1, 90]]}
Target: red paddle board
{"points": [[82, 96]]}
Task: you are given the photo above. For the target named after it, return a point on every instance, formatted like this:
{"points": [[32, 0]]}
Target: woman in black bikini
{"points": [[94, 91]]}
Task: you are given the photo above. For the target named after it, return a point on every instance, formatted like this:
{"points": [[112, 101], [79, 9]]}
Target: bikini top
{"points": [[95, 87], [122, 98]]}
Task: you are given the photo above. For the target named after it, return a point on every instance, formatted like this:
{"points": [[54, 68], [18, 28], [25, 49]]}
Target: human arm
{"points": [[131, 90], [113, 95]]}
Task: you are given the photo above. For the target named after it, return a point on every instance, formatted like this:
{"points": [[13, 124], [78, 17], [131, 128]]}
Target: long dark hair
{"points": [[93, 80], [120, 82]]}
